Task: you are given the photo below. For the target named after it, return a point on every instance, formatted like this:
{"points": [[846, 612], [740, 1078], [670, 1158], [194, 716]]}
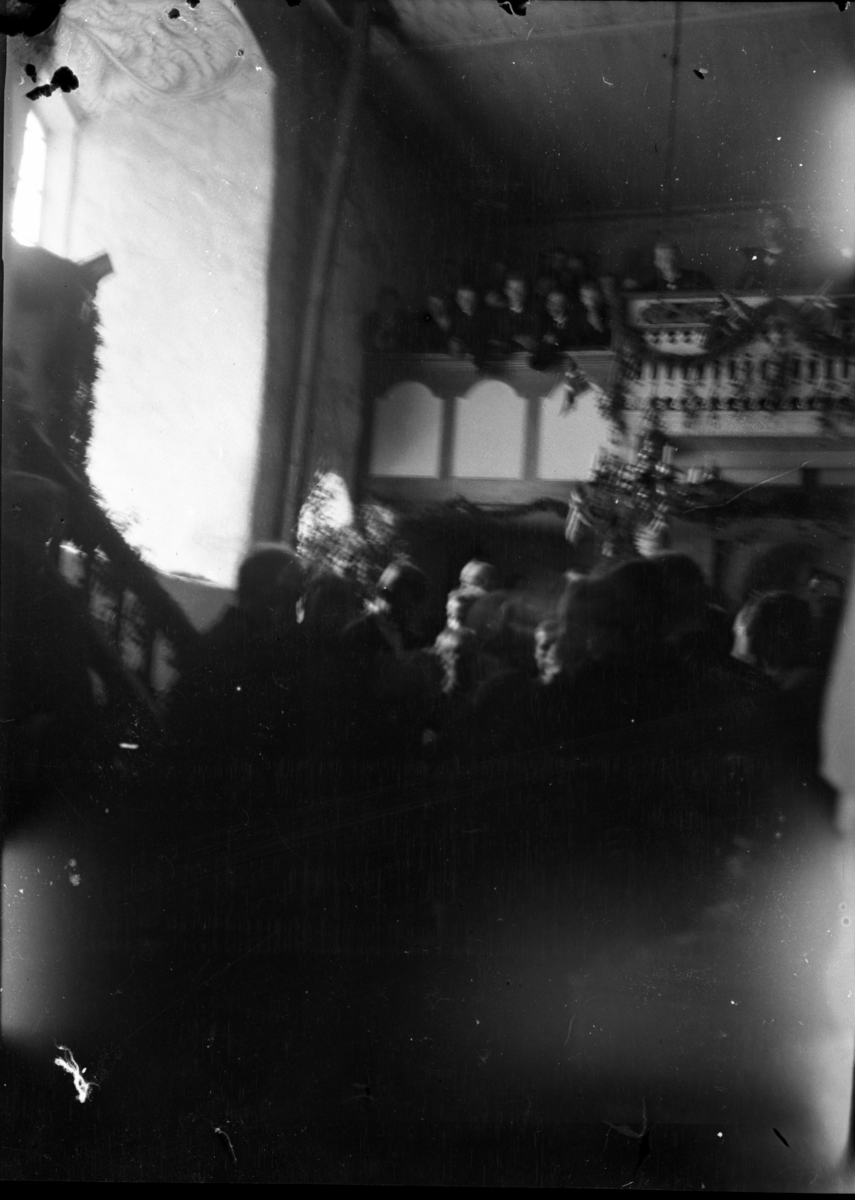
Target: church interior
{"points": [[427, 643]]}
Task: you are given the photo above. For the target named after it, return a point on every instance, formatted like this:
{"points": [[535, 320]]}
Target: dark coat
{"points": [[242, 693]]}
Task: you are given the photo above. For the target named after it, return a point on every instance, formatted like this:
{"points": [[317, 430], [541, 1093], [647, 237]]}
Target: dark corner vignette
{"points": [[428, 501]]}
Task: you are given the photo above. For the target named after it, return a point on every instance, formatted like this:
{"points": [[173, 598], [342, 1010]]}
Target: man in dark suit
{"points": [[777, 264], [469, 327], [670, 274], [514, 324], [243, 690]]}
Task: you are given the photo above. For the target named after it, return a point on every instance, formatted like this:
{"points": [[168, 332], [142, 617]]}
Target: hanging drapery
{"points": [[319, 277]]}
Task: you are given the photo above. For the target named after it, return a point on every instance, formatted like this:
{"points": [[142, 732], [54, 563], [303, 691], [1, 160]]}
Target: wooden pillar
{"points": [[299, 439]]}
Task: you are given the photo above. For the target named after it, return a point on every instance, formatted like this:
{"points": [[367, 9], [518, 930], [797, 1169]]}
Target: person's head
{"points": [[544, 284], [457, 650], [775, 228], [269, 585], [547, 649], [401, 590], [590, 295], [640, 588], [515, 290], [823, 585], [330, 603], [557, 304], [557, 260], [667, 259], [773, 632], [436, 305], [610, 288], [466, 299], [33, 511], [683, 592], [595, 624], [479, 575]]}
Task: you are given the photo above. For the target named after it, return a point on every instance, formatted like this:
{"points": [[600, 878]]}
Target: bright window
{"points": [[29, 194]]}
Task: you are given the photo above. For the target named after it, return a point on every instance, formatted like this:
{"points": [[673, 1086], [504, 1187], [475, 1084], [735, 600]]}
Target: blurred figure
{"points": [[385, 328], [514, 324], [547, 656], [477, 579], [387, 685], [669, 273], [776, 263], [544, 284], [329, 605], [773, 632], [469, 329], [555, 328], [494, 290], [433, 327], [503, 717], [243, 690], [591, 319]]}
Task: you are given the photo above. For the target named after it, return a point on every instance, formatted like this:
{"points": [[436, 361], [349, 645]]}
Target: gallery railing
{"points": [[698, 355], [135, 624]]}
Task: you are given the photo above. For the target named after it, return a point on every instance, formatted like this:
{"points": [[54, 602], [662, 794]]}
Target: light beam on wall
{"points": [[29, 193]]}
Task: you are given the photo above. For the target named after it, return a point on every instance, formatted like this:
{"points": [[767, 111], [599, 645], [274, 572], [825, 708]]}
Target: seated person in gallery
{"points": [[544, 283], [385, 328], [433, 325], [555, 330], [493, 294], [590, 318], [514, 323], [469, 328], [566, 268], [243, 690], [669, 273], [777, 263], [555, 326]]}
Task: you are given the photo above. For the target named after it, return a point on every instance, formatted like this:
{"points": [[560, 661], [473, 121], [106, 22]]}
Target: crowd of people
{"points": [[302, 667], [569, 302]]}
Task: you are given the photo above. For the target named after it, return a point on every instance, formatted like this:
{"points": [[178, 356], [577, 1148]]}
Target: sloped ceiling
{"points": [[570, 108]]}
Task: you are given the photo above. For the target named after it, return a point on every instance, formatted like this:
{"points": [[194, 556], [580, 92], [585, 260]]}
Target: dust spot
{"points": [[65, 79]]}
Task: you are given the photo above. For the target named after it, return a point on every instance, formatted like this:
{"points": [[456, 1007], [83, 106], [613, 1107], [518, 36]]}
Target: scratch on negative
{"points": [[82, 1086], [222, 1133], [753, 487]]}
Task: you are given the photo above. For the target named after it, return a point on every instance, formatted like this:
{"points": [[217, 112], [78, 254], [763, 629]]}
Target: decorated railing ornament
{"points": [[735, 354], [578, 385], [627, 504]]}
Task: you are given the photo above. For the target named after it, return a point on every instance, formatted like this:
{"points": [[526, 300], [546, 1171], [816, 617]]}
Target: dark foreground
{"points": [[631, 966]]}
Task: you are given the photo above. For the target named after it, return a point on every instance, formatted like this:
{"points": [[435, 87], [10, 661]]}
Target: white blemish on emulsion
{"points": [[66, 1061]]}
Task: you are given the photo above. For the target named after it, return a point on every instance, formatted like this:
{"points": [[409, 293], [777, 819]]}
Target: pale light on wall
{"points": [[29, 193]]}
